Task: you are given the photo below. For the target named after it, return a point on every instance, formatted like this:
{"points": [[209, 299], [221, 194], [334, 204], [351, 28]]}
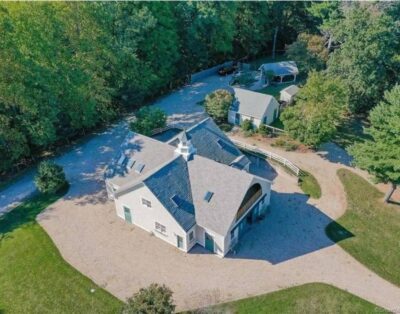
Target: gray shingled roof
{"points": [[210, 142], [252, 103], [142, 149], [281, 68], [228, 185], [181, 185], [171, 186], [291, 90]]}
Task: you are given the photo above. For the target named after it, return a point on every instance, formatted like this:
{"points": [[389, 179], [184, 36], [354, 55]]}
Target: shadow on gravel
{"points": [[292, 228]]}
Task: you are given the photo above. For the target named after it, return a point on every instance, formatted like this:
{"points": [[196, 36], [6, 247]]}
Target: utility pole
{"points": [[274, 44]]}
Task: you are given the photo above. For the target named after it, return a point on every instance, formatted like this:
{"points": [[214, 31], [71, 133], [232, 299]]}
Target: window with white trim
{"points": [[160, 228], [146, 203], [191, 236]]}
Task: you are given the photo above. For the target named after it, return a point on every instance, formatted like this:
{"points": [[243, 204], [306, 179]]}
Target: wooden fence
{"points": [[283, 161]]}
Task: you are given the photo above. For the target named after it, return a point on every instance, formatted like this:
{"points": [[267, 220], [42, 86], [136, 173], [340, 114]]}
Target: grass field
{"points": [[309, 185], [309, 298], [375, 227], [34, 278]]}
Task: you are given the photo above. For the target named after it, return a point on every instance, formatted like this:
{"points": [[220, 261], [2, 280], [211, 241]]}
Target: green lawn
{"points": [[351, 131], [374, 225], [309, 185], [34, 278], [309, 298], [275, 90]]}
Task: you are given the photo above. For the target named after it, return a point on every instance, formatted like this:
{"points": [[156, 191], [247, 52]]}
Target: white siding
{"points": [[286, 97], [269, 113], [146, 217]]}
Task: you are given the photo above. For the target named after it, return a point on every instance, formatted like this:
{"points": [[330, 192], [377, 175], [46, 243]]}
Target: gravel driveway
{"points": [[287, 248], [182, 110]]}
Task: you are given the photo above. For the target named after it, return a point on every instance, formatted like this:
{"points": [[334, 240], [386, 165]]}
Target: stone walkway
{"points": [[288, 248]]}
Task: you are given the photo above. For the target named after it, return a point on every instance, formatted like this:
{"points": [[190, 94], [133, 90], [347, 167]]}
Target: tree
{"points": [[365, 59], [50, 178], [319, 109], [309, 52], [148, 119], [217, 105], [380, 155], [154, 299]]}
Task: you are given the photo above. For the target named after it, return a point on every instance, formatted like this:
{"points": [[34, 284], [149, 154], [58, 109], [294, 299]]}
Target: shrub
{"points": [[154, 299], [50, 178], [263, 130], [226, 127], [217, 105], [285, 144], [148, 119], [247, 125]]}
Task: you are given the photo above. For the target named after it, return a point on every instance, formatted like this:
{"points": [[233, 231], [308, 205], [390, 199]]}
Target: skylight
{"points": [[139, 167], [208, 196], [121, 159], [130, 163], [176, 200]]}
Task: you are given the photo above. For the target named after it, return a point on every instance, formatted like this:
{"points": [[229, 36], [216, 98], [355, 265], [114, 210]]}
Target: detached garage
{"points": [[256, 107]]}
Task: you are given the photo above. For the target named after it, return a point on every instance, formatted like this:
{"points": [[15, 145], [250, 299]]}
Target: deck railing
{"points": [[283, 161]]}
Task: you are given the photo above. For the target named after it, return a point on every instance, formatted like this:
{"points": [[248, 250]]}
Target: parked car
{"points": [[228, 70]]}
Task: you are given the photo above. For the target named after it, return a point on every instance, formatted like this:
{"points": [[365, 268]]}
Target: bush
{"points": [[154, 299], [50, 178], [148, 119], [226, 127], [247, 125], [263, 130], [285, 144], [217, 105]]}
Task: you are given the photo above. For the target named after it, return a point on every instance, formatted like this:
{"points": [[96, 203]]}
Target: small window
{"points": [[146, 203], [208, 196], [160, 228], [191, 236], [179, 242]]}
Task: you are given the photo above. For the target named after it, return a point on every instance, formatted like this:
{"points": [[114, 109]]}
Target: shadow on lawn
{"points": [[25, 214], [292, 228]]}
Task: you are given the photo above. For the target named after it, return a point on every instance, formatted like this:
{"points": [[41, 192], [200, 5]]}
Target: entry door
{"points": [[128, 215], [209, 242], [237, 118], [179, 242]]}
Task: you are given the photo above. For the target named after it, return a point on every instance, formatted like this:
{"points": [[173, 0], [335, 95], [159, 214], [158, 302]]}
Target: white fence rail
{"points": [[283, 161]]}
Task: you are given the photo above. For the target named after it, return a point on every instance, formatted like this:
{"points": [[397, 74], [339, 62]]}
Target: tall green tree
{"points": [[319, 109], [365, 58], [380, 155], [309, 51], [217, 104]]}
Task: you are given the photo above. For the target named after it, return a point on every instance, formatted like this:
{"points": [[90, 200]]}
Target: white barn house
{"points": [[194, 189], [249, 105]]}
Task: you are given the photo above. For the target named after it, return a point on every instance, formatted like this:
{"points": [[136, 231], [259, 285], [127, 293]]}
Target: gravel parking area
{"points": [[287, 248]]}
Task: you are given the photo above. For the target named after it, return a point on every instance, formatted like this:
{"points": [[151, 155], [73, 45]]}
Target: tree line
{"points": [[69, 67]]}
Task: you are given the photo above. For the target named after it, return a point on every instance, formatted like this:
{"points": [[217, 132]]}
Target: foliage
{"points": [[247, 125], [309, 185], [50, 178], [287, 144], [148, 119], [319, 109], [313, 298], [380, 155], [226, 127], [365, 60], [309, 52], [369, 230], [154, 299], [69, 67], [37, 279], [263, 130], [217, 104]]}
